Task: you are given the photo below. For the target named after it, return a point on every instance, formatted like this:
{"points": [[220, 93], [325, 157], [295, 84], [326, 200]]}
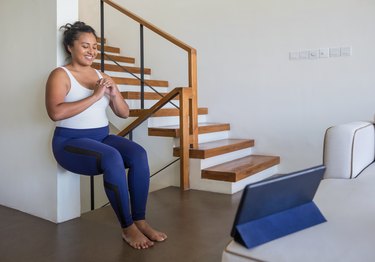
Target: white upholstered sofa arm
{"points": [[348, 149]]}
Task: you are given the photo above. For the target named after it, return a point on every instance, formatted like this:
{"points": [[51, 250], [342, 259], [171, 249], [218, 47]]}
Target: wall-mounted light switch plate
{"points": [[346, 51], [323, 52], [293, 55], [304, 55], [334, 51]]}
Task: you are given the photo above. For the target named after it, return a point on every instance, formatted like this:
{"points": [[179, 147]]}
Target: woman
{"points": [[77, 96]]}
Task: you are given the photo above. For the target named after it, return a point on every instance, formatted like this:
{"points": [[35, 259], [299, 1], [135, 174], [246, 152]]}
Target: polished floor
{"points": [[197, 223]]}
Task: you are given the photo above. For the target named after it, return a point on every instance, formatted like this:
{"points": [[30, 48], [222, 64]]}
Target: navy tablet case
{"points": [[278, 206]]}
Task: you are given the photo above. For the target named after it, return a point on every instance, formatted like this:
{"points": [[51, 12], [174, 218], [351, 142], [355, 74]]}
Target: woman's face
{"points": [[84, 49]]}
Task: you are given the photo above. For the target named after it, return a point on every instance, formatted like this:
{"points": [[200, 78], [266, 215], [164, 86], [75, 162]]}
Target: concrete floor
{"points": [[197, 223]]}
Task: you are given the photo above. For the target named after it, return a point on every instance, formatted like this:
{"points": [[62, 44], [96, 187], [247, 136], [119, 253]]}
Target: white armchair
{"points": [[348, 149]]}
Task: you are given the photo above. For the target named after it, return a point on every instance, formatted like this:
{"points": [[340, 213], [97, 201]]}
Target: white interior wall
{"points": [[30, 49], [245, 76]]}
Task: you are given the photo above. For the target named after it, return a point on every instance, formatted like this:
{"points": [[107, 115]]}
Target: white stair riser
{"points": [[136, 88], [216, 160], [113, 63], [203, 138], [125, 74], [170, 120], [207, 137], [136, 103]]}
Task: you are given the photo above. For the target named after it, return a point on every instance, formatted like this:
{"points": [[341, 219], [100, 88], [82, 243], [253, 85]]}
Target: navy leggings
{"points": [[93, 152]]}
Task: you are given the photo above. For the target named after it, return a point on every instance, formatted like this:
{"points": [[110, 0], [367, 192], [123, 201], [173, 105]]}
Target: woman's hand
{"points": [[116, 102], [101, 88], [110, 87]]}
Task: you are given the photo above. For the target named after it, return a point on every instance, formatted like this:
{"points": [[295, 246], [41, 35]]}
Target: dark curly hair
{"points": [[72, 32]]}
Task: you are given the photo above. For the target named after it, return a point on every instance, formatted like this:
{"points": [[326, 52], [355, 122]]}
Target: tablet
{"points": [[277, 206]]}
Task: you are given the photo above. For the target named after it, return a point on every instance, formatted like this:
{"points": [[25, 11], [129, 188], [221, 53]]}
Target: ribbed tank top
{"points": [[94, 116]]}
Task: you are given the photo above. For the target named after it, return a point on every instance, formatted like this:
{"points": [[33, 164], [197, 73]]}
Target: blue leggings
{"points": [[93, 152]]}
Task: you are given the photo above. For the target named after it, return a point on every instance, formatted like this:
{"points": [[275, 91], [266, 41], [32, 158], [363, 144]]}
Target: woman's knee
{"points": [[112, 159], [138, 154], [131, 151]]}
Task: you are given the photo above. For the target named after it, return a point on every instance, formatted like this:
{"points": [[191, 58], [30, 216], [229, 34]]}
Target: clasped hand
{"points": [[105, 86]]}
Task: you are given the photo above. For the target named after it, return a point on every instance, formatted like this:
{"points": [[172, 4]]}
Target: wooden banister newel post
{"points": [[184, 96], [193, 83]]}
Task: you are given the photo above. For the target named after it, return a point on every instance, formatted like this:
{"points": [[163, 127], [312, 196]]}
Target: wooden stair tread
{"points": [[117, 58], [116, 68], [174, 130], [99, 39], [166, 112], [134, 81], [147, 95], [215, 148], [238, 169], [108, 48]]}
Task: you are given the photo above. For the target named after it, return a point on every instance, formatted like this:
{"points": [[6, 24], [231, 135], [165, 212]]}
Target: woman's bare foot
{"points": [[135, 238], [149, 232]]}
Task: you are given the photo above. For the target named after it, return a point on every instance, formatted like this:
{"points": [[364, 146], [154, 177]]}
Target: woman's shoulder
{"points": [[58, 72]]}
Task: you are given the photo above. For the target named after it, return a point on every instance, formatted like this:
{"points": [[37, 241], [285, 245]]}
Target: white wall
{"points": [[30, 49], [245, 75]]}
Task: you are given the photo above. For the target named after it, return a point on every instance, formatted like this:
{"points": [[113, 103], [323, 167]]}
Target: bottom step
{"points": [[238, 169]]}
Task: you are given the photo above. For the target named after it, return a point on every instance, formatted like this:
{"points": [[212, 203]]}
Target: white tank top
{"points": [[94, 116]]}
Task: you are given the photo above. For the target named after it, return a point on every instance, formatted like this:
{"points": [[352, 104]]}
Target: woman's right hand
{"points": [[99, 89]]}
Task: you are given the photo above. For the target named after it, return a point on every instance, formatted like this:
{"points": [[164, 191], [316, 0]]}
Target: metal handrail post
{"points": [[142, 68], [102, 35]]}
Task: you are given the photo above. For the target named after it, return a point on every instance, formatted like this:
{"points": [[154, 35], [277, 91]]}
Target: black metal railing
{"points": [[139, 78], [142, 64], [142, 58]]}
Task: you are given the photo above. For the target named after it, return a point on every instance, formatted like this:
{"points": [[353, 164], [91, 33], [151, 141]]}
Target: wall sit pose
{"points": [[77, 96]]}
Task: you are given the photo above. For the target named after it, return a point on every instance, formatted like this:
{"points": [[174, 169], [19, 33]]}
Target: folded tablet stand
{"points": [[277, 225]]}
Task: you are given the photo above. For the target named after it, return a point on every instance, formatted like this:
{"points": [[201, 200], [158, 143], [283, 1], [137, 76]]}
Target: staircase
{"points": [[219, 163]]}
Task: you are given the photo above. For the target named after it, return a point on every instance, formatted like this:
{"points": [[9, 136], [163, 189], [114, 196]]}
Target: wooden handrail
{"points": [[149, 26]]}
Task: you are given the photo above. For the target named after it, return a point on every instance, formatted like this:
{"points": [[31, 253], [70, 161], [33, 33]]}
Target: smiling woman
{"points": [[77, 96]]}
